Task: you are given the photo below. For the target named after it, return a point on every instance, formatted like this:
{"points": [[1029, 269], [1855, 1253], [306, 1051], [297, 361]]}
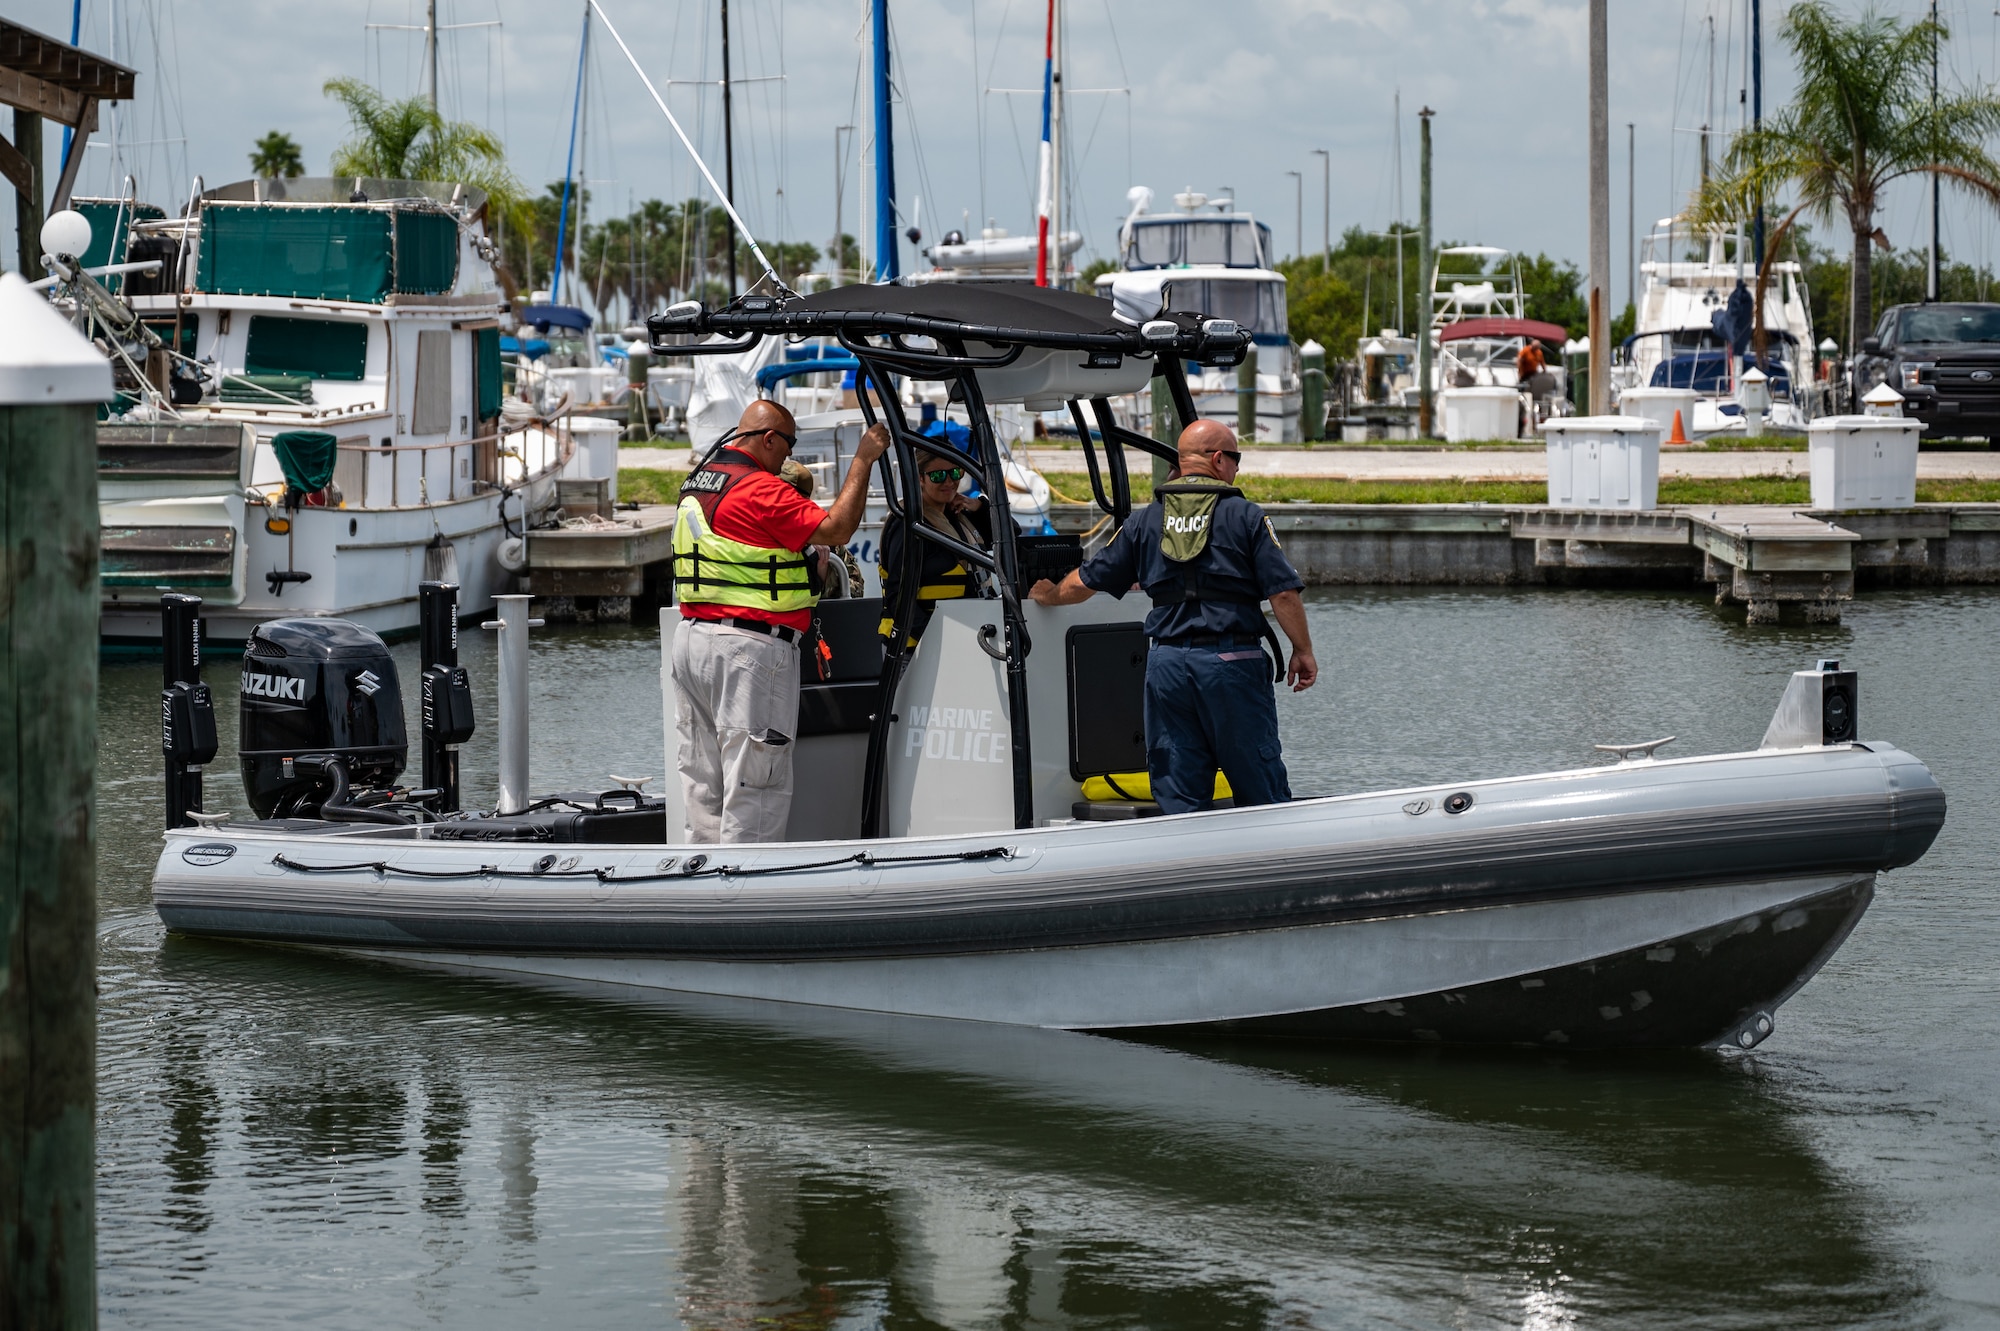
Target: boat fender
{"points": [[513, 554]]}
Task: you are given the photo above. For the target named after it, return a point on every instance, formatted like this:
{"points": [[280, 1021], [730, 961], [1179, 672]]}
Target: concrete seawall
{"points": [[1763, 557]]}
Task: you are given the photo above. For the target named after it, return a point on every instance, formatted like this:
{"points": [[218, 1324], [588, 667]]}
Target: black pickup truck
{"points": [[1944, 360]]}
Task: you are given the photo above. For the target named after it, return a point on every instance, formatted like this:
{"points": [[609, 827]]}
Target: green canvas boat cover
{"points": [[111, 232], [319, 348], [266, 390], [307, 457], [326, 252]]}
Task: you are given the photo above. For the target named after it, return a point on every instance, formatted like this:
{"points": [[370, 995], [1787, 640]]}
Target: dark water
{"points": [[292, 1138]]}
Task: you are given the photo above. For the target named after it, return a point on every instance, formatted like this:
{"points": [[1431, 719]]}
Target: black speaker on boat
{"points": [[317, 686], [1839, 704]]}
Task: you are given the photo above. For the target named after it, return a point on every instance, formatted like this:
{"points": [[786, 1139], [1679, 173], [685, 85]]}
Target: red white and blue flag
{"points": [[1045, 203]]}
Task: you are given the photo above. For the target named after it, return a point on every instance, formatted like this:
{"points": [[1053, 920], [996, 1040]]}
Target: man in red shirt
{"points": [[747, 601]]}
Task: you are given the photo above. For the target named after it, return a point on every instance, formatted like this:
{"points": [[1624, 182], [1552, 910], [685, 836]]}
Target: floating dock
{"points": [[1761, 557]]}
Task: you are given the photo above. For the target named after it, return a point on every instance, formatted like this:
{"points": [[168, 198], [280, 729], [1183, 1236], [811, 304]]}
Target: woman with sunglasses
{"points": [[941, 576]]}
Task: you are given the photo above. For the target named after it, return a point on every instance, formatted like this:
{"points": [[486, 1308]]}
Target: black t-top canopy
{"points": [[991, 313]]}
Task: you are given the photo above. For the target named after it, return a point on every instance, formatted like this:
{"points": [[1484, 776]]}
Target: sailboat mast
{"points": [[582, 159], [1757, 120], [888, 263], [569, 167], [728, 147], [1045, 182]]}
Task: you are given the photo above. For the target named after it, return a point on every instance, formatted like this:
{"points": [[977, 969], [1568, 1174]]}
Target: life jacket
{"points": [[1187, 519], [715, 570], [948, 584]]}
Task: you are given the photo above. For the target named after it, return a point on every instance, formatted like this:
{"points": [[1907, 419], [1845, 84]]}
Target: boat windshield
{"points": [[1258, 306], [1226, 241], [1952, 323]]}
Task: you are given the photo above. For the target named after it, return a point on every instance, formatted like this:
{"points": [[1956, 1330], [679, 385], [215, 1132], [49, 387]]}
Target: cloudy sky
{"points": [[1217, 96]]}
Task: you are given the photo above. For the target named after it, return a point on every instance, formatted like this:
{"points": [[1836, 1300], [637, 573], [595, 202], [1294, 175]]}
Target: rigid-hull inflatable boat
{"points": [[1649, 903], [941, 859]]}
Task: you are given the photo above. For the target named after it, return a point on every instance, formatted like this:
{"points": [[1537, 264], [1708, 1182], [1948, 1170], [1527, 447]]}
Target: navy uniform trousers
{"points": [[1210, 707]]}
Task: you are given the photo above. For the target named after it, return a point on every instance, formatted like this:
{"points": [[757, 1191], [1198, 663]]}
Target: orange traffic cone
{"points": [[1679, 435]]}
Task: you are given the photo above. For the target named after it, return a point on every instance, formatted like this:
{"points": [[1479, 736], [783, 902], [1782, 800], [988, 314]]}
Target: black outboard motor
{"points": [[315, 689]]}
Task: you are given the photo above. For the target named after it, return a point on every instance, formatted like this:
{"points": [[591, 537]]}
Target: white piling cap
{"points": [[42, 358], [1882, 400]]}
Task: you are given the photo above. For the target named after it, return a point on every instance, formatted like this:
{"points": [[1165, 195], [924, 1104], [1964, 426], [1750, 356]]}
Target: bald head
{"points": [[1199, 445], [754, 434]]}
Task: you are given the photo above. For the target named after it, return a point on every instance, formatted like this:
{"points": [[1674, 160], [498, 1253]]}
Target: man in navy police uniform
{"points": [[1208, 559]]}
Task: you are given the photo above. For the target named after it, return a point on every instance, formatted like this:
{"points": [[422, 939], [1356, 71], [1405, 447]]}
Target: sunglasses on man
{"points": [[943, 474], [1231, 454]]}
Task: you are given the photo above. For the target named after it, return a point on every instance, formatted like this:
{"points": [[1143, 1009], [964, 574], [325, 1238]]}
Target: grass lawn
{"points": [[645, 486], [1673, 490]]}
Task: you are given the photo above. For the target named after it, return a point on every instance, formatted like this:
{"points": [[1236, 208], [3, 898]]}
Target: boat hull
{"points": [[1702, 966], [1648, 903]]}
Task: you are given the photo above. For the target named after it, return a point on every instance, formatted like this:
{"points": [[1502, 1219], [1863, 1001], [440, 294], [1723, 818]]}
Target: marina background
{"points": [[344, 1143], [1226, 99]]}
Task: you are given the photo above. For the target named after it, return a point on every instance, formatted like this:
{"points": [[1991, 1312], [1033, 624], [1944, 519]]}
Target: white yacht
{"points": [[1683, 337], [1478, 327], [311, 417], [1206, 257]]}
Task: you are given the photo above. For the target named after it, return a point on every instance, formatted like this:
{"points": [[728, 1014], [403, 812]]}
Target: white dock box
{"points": [[1480, 413], [1659, 405], [1604, 462], [596, 456], [1863, 461]]}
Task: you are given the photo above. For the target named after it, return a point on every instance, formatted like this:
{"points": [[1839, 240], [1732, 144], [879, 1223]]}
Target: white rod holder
{"points": [[513, 626]]}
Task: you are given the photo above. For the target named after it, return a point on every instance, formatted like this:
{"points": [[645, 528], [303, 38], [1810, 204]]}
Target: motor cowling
{"points": [[317, 687]]}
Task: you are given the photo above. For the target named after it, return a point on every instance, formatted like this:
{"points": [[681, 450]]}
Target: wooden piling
{"points": [[28, 206], [1246, 395], [50, 379]]}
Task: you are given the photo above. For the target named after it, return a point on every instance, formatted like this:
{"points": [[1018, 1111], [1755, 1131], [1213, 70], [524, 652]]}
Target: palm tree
{"points": [[409, 140], [1861, 119], [276, 156]]}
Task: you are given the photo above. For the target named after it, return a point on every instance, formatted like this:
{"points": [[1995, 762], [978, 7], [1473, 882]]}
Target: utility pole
{"points": [[1424, 414], [50, 383], [1933, 283], [1600, 211], [1299, 210], [431, 49], [1326, 213], [728, 149]]}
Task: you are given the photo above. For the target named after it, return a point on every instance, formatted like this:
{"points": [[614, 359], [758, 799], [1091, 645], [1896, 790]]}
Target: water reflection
{"points": [[808, 1168], [192, 1114]]}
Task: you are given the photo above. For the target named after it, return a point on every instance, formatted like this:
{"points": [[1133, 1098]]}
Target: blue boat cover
{"points": [[1707, 372], [546, 317], [772, 374]]}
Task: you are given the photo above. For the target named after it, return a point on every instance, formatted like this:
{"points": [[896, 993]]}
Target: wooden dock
{"points": [[595, 565]]}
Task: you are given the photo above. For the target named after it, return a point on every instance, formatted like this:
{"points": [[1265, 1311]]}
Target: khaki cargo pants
{"points": [[738, 715]]}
